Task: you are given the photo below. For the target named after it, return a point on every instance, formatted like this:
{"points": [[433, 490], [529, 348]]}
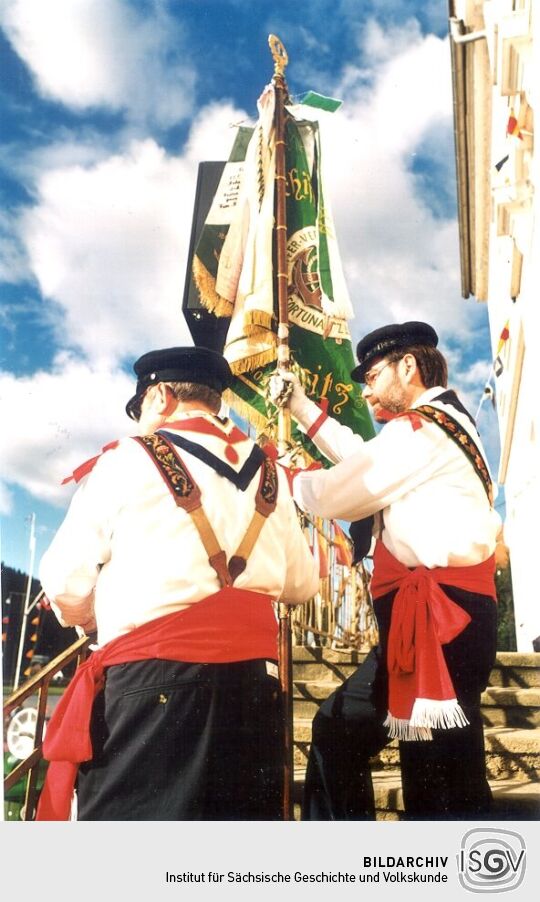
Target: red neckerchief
{"points": [[416, 421], [421, 696], [206, 427], [193, 424], [231, 625], [88, 465]]}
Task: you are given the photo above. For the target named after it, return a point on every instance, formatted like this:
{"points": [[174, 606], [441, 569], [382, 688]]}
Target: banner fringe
{"points": [[206, 286], [252, 361], [257, 321], [245, 410]]}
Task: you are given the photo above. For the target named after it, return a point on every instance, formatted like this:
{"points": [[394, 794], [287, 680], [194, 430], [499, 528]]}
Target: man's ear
{"points": [[166, 400], [409, 367]]}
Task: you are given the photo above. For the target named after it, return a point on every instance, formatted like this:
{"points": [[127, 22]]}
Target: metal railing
{"points": [[341, 614], [38, 685]]}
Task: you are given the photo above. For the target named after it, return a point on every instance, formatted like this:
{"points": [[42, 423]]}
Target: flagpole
{"points": [[279, 55], [281, 59], [487, 393], [27, 607]]}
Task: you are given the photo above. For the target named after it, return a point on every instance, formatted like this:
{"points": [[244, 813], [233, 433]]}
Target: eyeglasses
{"points": [[371, 377]]}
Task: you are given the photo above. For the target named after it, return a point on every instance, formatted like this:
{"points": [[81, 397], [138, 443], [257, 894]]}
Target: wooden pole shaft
{"points": [[284, 420], [286, 681], [283, 352], [281, 215]]}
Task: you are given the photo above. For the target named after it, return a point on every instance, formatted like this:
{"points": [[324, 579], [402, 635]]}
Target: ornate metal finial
{"points": [[279, 54]]}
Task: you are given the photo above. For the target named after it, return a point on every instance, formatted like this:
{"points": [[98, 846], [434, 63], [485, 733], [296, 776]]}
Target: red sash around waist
{"points": [[231, 625], [421, 696]]}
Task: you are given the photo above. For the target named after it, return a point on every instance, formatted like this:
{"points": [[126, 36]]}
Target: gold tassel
{"points": [[253, 361], [206, 286], [257, 321], [251, 331], [245, 410]]}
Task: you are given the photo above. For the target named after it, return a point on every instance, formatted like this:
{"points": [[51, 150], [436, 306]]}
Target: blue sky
{"points": [[107, 108]]}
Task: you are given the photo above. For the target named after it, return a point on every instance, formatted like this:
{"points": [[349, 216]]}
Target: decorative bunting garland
{"points": [[31, 651], [498, 365], [513, 129]]}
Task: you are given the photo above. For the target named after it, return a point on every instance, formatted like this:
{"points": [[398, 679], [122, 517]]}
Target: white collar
{"points": [[428, 395]]}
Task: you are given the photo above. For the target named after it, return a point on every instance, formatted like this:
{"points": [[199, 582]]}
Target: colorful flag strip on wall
{"points": [[498, 364], [513, 129]]}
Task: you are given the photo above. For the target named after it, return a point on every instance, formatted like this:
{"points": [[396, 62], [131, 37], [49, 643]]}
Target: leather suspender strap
{"points": [[187, 495], [463, 440], [265, 503]]}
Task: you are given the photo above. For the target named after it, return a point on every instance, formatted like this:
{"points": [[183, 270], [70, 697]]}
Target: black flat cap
{"points": [[381, 341], [200, 365]]}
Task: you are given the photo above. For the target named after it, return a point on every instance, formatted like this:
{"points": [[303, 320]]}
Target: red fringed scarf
{"points": [[421, 696], [231, 625]]}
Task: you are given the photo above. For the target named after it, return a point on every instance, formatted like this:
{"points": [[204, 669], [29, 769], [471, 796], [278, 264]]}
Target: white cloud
{"points": [[384, 44], [6, 500], [101, 53], [108, 242], [477, 372], [401, 259], [213, 132], [57, 420], [13, 262], [108, 245]]}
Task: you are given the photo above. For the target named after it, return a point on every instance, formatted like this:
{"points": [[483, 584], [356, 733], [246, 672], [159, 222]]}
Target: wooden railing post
{"points": [[40, 683]]}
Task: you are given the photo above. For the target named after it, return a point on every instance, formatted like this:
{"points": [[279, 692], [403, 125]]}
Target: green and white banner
{"points": [[234, 273]]}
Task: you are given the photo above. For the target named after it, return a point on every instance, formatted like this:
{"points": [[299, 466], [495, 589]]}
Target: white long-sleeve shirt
{"points": [[125, 538], [434, 507]]}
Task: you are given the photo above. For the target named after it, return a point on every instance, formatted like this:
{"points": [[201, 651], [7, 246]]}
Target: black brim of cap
{"points": [[133, 407]]}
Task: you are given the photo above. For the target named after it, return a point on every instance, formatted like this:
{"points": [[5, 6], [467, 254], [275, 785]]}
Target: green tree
{"points": [[506, 629]]}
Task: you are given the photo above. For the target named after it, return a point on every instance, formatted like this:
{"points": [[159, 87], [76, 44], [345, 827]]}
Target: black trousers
{"points": [[176, 741], [444, 778]]}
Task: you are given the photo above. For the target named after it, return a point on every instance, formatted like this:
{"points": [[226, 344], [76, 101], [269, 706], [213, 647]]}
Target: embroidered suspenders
{"points": [[461, 437], [187, 495]]}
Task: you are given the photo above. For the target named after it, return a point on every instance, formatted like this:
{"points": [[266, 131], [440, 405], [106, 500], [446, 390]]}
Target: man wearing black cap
{"points": [[425, 479], [175, 546]]}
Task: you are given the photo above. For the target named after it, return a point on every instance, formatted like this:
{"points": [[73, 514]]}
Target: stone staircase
{"points": [[511, 712]]}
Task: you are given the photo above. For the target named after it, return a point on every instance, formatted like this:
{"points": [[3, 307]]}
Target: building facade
{"points": [[496, 82]]}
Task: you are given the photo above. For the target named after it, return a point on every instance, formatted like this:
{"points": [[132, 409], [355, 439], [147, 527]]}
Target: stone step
{"points": [[309, 694], [513, 754], [323, 664], [501, 705], [511, 707], [510, 753], [517, 669], [511, 713], [512, 799], [514, 668]]}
